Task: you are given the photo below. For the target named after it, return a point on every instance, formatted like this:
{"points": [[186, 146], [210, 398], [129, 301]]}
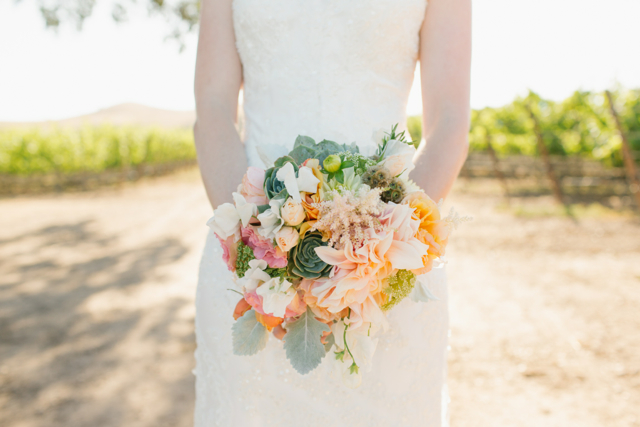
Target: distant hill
{"points": [[123, 114]]}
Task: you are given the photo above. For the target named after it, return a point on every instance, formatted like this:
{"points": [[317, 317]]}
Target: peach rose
{"points": [[287, 238], [252, 186], [292, 212], [425, 209]]}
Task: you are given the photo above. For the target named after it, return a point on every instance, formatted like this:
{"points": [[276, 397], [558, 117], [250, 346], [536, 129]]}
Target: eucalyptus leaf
{"points": [[302, 342], [302, 153], [305, 141], [249, 336]]}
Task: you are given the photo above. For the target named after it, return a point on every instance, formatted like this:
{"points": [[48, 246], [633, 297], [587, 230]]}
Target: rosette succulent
{"points": [[272, 185], [304, 261]]}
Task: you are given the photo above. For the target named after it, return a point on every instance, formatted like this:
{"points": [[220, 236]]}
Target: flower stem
{"points": [[344, 338]]}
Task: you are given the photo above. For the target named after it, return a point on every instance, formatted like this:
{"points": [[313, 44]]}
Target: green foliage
{"points": [[399, 286], [391, 136], [302, 343], [90, 149], [306, 148], [579, 125], [245, 254], [180, 15], [414, 126]]}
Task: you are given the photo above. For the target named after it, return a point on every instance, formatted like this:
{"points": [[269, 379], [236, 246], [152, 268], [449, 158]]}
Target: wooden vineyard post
{"points": [[542, 148], [627, 154], [496, 167]]}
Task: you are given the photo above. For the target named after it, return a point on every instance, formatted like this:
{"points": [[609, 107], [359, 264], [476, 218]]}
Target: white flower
{"points": [[270, 220], [398, 157], [360, 341], [254, 276], [225, 221], [306, 180], [276, 295], [227, 217], [245, 209], [378, 136], [360, 345]]}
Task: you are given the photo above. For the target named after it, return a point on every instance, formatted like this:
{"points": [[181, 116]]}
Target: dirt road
{"points": [[96, 312]]}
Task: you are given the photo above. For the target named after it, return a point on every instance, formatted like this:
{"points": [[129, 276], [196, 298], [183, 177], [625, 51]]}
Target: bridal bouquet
{"points": [[323, 244]]}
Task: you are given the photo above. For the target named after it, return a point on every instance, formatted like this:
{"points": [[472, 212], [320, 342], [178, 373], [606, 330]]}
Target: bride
{"points": [[334, 69]]}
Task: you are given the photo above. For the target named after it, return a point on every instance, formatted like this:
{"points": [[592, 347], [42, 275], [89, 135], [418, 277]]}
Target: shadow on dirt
{"points": [[58, 353]]}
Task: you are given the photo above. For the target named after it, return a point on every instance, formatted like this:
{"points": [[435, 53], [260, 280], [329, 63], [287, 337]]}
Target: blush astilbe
{"points": [[347, 216]]}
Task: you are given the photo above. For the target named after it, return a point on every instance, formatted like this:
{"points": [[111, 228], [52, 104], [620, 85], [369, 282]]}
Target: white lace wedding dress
{"points": [[338, 70]]}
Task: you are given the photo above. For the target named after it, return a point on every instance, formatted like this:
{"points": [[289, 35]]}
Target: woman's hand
{"points": [[218, 80], [445, 62]]}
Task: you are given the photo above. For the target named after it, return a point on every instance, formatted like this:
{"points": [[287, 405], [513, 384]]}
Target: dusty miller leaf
{"points": [[331, 340], [302, 342], [249, 336]]}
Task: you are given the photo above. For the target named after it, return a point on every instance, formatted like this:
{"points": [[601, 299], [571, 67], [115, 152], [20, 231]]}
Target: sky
{"points": [[553, 47]]}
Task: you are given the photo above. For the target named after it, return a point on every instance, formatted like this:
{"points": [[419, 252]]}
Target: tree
{"points": [[181, 15]]}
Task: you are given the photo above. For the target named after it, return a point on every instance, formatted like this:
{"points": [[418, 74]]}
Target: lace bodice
{"points": [[329, 69]]}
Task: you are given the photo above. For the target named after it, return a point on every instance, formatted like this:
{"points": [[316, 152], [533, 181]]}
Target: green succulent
{"points": [[304, 261], [272, 185], [350, 181]]}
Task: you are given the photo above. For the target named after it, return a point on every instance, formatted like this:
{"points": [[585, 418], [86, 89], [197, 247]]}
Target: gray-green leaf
{"points": [[302, 153], [331, 340], [302, 342], [249, 336], [305, 141]]}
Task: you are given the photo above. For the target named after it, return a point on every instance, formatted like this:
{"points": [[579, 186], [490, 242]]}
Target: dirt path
{"points": [[96, 312]]}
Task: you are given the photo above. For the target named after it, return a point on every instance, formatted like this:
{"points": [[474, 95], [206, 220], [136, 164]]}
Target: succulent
{"points": [[377, 176], [272, 185], [304, 262], [395, 191]]}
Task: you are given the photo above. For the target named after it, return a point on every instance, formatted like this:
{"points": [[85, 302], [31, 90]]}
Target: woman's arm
{"points": [[217, 84], [445, 62]]}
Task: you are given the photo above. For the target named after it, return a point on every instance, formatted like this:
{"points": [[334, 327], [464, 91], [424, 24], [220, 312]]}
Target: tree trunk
{"points": [[496, 167], [542, 148], [627, 154]]}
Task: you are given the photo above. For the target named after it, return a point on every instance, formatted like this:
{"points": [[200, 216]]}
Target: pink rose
{"points": [[230, 251], [252, 186], [263, 248]]}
